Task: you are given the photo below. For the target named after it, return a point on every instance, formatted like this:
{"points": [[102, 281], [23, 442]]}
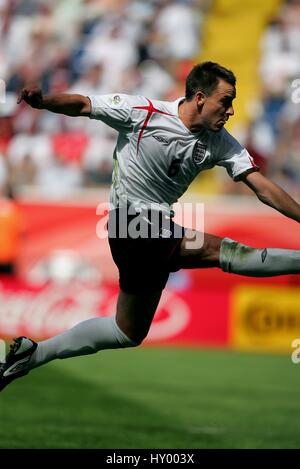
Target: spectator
{"points": [[11, 231], [90, 46]]}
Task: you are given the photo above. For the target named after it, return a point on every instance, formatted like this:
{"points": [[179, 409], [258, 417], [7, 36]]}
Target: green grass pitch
{"points": [[155, 398]]}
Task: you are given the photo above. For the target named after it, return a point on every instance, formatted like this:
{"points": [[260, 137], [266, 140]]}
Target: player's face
{"points": [[214, 110]]}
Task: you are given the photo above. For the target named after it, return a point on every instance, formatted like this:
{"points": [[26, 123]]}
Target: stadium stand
{"points": [[146, 48]]}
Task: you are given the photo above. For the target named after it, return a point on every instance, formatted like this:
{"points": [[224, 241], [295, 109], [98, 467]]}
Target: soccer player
{"points": [[160, 149]]}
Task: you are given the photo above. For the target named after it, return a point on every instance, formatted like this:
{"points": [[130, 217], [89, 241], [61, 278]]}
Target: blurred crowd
{"points": [[274, 136], [88, 47], [135, 47]]}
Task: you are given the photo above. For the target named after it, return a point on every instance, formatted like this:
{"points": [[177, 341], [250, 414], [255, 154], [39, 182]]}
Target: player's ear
{"points": [[200, 98]]}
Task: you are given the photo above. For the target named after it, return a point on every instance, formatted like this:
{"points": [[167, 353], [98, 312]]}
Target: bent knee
{"points": [[211, 247], [203, 245]]}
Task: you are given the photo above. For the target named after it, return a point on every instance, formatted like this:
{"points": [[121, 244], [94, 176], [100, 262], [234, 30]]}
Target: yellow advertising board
{"points": [[264, 318]]}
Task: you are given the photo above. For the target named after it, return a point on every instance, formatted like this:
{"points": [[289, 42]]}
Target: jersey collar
{"points": [[175, 111], [175, 105]]}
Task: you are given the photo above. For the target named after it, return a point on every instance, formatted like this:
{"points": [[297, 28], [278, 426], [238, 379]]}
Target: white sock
{"points": [[83, 339], [243, 260]]}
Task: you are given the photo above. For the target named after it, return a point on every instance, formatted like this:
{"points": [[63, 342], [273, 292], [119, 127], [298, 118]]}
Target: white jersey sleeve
{"points": [[234, 157], [115, 110]]}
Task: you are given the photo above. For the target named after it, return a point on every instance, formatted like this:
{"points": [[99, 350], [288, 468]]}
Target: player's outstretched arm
{"points": [[271, 194], [69, 104]]}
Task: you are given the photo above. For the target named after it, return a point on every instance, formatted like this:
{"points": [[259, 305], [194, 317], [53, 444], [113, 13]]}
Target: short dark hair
{"points": [[205, 77]]}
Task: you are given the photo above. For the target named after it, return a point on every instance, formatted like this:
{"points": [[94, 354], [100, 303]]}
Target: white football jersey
{"points": [[156, 157]]}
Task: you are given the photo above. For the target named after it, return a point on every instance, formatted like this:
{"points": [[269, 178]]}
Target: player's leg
{"points": [[135, 313], [127, 329], [199, 250], [234, 257]]}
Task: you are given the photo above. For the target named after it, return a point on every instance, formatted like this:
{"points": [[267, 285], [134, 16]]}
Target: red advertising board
{"points": [[190, 317], [195, 309]]}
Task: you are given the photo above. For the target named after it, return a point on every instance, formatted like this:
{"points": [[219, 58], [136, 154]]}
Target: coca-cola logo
{"points": [[47, 311]]}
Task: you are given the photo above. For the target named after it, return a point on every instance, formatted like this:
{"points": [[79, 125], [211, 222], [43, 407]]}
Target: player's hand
{"points": [[32, 96]]}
